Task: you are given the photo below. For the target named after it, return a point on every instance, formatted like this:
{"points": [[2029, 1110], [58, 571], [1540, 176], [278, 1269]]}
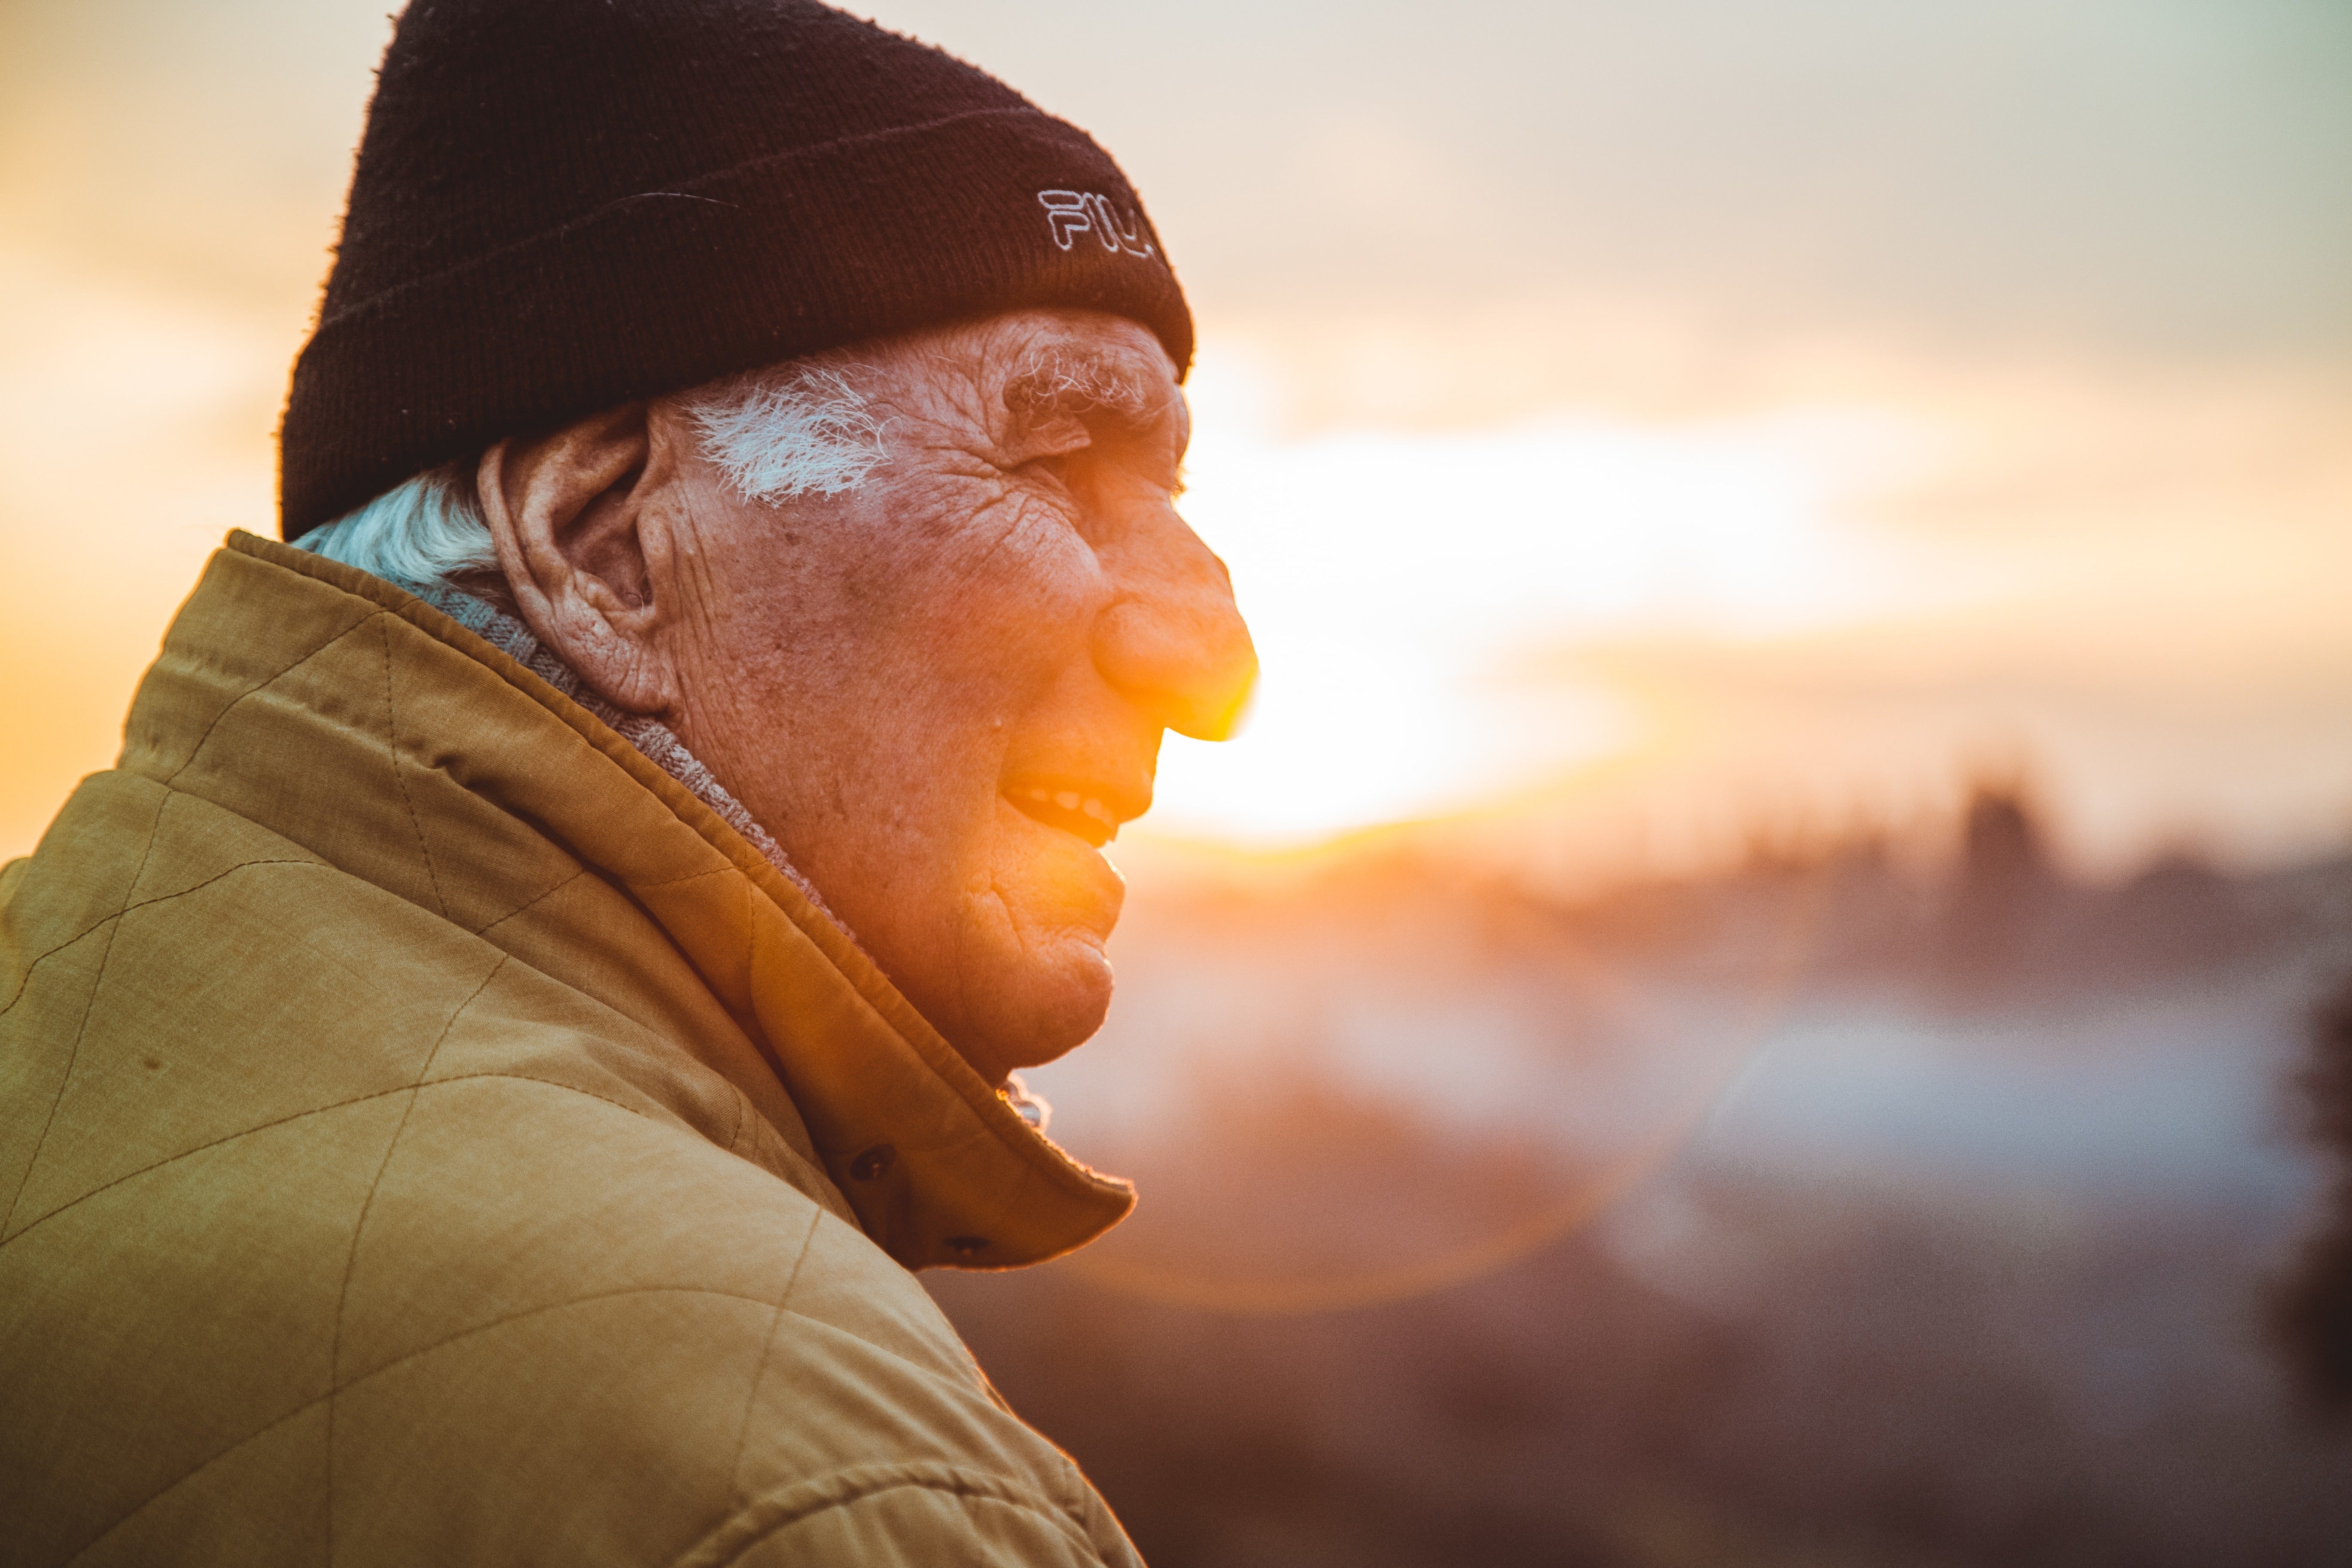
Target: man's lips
{"points": [[1092, 812]]}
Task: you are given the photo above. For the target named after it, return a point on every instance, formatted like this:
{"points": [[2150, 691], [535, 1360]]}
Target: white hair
{"points": [[791, 430], [417, 534]]}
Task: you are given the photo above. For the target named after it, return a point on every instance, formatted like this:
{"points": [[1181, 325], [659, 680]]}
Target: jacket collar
{"points": [[939, 1167], [650, 736]]}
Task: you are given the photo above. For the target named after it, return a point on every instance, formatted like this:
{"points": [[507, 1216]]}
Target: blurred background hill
{"points": [[1740, 999], [1821, 1210]]}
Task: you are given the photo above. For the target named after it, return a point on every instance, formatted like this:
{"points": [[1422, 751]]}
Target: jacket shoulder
{"points": [[914, 1515], [330, 1226]]}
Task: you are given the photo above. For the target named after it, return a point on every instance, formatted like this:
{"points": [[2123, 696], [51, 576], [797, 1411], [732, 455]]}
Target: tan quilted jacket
{"points": [[429, 1135]]}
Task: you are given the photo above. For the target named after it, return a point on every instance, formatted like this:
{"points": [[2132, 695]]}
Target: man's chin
{"points": [[1035, 980], [1054, 1006]]}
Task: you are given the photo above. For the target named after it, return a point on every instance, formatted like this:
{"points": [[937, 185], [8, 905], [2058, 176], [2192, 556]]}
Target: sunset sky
{"points": [[1621, 420]]}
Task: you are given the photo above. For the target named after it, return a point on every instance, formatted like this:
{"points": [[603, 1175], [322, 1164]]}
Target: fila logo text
{"points": [[1069, 214]]}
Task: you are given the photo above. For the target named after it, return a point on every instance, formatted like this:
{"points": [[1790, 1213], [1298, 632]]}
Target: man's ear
{"points": [[570, 514]]}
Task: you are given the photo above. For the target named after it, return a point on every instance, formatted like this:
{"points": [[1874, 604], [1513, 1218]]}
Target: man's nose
{"points": [[1173, 640]]}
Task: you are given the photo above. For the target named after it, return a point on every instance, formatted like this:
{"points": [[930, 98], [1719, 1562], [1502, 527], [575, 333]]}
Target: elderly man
{"points": [[551, 958]]}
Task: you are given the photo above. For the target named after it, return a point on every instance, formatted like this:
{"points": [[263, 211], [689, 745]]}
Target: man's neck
{"points": [[659, 744]]}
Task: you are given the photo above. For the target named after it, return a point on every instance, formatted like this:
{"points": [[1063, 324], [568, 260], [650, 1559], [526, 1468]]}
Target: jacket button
{"points": [[874, 1163], [965, 1246]]}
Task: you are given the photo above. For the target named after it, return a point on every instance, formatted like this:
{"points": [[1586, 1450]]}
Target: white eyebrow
{"points": [[1073, 381]]}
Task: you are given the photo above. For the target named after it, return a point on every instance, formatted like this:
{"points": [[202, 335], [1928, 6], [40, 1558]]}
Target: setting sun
{"points": [[1396, 581], [1762, 980]]}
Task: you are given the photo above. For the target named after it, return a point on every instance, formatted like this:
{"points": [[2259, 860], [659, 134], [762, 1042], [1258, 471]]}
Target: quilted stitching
{"points": [[328, 1197], [113, 925]]}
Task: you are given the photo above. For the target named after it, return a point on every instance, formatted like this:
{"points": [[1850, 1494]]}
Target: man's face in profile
{"points": [[944, 690]]}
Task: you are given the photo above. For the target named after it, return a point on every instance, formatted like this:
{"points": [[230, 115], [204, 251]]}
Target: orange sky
{"points": [[1644, 414]]}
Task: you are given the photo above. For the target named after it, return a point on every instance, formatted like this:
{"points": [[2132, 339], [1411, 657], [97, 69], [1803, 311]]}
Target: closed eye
{"points": [[1055, 467]]}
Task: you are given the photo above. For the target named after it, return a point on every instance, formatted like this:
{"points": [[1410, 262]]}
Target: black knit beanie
{"points": [[564, 204]]}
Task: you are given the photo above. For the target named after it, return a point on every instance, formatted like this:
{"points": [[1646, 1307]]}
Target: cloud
{"points": [[2134, 175], [1701, 395]]}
